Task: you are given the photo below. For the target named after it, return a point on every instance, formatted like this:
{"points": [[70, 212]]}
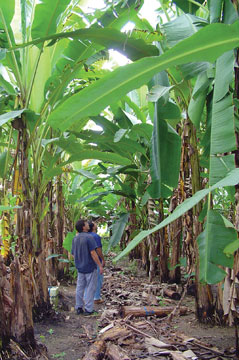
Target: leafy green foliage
{"points": [[216, 232], [118, 229], [207, 44], [67, 243], [230, 180]]}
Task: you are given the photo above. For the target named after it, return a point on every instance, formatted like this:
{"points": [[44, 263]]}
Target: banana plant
{"points": [[50, 58], [203, 45], [218, 167]]}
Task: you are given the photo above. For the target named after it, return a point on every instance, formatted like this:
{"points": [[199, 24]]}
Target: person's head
{"points": [[92, 227], [82, 226]]}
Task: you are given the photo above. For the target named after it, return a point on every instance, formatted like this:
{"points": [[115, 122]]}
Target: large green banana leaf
{"points": [[211, 243], [47, 16], [118, 229], [108, 37], [222, 127], [231, 179], [197, 101], [205, 45], [224, 75], [165, 156]]}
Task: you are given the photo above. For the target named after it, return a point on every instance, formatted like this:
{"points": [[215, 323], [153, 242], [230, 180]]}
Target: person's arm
{"points": [[96, 259], [100, 254]]}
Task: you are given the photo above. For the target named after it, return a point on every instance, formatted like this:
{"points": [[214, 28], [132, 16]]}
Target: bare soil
{"points": [[69, 336]]}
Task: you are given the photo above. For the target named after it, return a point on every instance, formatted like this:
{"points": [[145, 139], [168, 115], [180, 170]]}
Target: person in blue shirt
{"points": [[86, 261], [93, 232]]}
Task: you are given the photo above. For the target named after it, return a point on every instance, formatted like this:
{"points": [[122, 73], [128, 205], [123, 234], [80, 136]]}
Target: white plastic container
{"points": [[53, 293]]}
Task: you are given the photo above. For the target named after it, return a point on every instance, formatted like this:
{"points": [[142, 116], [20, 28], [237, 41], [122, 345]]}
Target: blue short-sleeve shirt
{"points": [[97, 239], [82, 245]]}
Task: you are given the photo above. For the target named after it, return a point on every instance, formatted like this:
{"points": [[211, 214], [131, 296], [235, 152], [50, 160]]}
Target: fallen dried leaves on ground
{"points": [[138, 320]]}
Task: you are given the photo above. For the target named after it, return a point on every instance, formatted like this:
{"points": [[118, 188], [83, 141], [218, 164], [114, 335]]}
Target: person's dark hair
{"points": [[80, 224], [91, 225]]}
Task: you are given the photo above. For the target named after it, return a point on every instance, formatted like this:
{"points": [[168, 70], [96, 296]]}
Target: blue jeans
{"points": [[99, 284], [85, 290]]}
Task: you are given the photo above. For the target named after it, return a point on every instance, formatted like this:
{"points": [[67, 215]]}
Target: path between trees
{"points": [[71, 337]]}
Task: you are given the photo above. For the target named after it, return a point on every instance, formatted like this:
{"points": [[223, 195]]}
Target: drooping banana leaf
{"points": [[118, 229], [67, 243], [231, 179], [197, 101], [224, 74], [211, 243], [222, 128], [207, 44], [108, 37], [165, 156]]}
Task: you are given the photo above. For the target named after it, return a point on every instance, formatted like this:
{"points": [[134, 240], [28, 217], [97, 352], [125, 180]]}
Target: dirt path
{"points": [[70, 336]]}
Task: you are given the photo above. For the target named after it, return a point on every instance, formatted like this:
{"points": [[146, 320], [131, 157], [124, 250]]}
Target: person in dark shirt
{"points": [[86, 261], [93, 232]]}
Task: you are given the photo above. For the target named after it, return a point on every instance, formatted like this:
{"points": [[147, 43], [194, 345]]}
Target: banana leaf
{"points": [[211, 243], [231, 179], [118, 229], [9, 116], [207, 45]]}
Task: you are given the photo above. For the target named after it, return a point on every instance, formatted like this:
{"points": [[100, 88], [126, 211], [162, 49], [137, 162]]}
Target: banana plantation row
{"points": [[150, 147]]}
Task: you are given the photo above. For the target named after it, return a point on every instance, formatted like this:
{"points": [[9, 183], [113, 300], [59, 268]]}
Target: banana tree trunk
{"points": [[28, 282], [52, 263], [163, 247], [205, 305], [22, 290], [6, 306], [174, 234], [131, 228], [59, 225], [151, 239]]}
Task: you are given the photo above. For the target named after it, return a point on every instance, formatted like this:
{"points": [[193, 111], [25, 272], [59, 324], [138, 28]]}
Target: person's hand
{"points": [[101, 269]]}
